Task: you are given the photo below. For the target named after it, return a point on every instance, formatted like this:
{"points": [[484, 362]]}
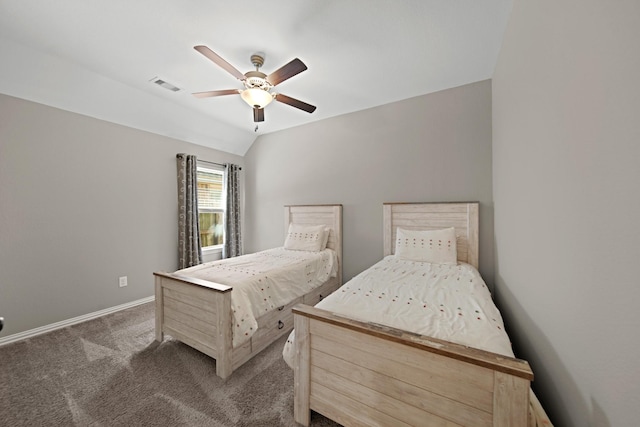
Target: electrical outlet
{"points": [[122, 281]]}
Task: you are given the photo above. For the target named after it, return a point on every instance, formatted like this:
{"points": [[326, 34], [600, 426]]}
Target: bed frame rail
{"points": [[359, 373]]}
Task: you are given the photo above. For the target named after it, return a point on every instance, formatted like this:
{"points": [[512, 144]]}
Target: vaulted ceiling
{"points": [[98, 58]]}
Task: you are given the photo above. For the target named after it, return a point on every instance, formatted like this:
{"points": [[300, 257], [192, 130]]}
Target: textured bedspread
{"points": [[449, 302], [265, 280]]}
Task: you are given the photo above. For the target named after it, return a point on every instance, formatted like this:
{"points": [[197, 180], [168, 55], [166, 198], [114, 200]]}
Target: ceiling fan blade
{"points": [[286, 72], [295, 103], [213, 93], [258, 114], [217, 59]]}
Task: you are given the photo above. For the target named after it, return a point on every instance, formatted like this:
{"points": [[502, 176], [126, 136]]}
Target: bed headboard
{"points": [[329, 215], [463, 216]]}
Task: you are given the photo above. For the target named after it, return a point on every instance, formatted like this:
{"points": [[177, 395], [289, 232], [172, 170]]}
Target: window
{"points": [[211, 206]]}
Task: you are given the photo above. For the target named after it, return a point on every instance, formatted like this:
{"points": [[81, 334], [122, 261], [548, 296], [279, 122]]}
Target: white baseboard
{"points": [[59, 325]]}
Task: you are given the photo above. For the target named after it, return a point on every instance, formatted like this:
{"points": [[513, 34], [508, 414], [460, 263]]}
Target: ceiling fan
{"points": [[257, 85]]}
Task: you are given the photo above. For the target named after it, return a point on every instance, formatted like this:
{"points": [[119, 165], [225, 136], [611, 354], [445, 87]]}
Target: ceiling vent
{"points": [[164, 84]]}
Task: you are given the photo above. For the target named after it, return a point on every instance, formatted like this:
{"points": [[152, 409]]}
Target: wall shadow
{"points": [[553, 384]]}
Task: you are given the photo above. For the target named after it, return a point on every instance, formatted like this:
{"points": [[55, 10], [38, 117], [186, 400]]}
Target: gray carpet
{"points": [[110, 372]]}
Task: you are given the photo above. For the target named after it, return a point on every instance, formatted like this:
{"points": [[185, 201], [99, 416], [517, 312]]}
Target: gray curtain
{"points": [[189, 251], [232, 235]]}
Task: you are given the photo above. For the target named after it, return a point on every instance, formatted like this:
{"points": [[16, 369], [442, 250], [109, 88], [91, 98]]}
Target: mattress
{"points": [[449, 302], [264, 281]]}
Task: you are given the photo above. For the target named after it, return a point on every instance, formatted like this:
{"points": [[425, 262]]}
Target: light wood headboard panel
{"points": [[432, 216], [329, 215]]}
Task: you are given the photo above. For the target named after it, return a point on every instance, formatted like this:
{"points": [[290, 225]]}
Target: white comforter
{"points": [[449, 302], [264, 281]]}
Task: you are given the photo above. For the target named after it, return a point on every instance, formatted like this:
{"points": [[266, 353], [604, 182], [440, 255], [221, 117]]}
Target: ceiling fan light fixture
{"points": [[256, 98]]}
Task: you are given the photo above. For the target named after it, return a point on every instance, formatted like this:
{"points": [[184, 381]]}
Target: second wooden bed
{"points": [[198, 312], [366, 374]]}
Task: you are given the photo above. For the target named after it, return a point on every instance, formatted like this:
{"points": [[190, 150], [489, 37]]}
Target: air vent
{"points": [[164, 84]]}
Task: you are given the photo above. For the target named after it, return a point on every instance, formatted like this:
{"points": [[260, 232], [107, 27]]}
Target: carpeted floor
{"points": [[110, 372]]}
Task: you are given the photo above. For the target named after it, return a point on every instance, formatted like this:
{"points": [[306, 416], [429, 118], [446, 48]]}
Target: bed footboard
{"points": [[363, 374], [198, 313]]}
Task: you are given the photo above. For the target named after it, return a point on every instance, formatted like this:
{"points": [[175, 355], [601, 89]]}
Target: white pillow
{"points": [[305, 237], [435, 246], [325, 240]]}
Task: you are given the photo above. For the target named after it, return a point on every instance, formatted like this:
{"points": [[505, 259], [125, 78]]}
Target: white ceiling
{"points": [[97, 57]]}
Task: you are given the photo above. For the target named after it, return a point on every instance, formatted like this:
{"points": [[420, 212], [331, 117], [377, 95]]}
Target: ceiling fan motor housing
{"points": [[256, 79]]}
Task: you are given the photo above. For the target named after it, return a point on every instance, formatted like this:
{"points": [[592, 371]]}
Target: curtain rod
{"points": [[214, 163]]}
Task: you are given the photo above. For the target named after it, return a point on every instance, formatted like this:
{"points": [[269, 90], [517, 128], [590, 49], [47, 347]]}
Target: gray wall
{"points": [[435, 147], [566, 173], [82, 202]]}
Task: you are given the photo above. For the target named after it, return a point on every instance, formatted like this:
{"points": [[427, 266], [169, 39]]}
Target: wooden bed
{"points": [[365, 374], [198, 312]]}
